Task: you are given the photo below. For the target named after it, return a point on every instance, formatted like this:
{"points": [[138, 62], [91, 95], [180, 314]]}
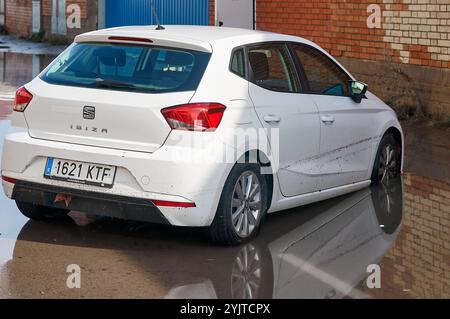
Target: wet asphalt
{"points": [[324, 250]]}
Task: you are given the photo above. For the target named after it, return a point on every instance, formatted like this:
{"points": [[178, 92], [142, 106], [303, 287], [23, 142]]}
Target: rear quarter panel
{"points": [[240, 130]]}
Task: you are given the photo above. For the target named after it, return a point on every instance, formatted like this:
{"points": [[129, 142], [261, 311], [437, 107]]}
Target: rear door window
{"points": [[272, 68], [128, 67]]}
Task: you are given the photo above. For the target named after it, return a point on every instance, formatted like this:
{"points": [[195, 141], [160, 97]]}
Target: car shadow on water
{"points": [[317, 251]]}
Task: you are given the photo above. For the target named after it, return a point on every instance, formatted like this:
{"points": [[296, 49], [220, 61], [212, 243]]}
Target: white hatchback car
{"points": [[194, 126]]}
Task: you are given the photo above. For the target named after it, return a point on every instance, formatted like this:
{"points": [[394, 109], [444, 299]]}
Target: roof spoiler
{"points": [[153, 38]]}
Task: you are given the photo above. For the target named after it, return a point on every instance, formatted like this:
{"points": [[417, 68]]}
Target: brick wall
{"points": [[406, 62], [418, 264], [412, 31], [18, 17], [47, 7], [88, 17], [409, 54], [212, 12]]}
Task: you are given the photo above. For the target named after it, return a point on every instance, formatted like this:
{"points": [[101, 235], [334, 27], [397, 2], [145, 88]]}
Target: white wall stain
{"points": [[423, 23]]}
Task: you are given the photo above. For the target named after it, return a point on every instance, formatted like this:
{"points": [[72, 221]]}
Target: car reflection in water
{"points": [[319, 251], [324, 257]]}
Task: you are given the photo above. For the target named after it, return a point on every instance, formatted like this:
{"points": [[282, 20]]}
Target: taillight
{"points": [[195, 116], [23, 98]]}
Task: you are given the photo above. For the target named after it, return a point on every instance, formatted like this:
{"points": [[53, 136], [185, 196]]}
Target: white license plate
{"points": [[80, 172]]}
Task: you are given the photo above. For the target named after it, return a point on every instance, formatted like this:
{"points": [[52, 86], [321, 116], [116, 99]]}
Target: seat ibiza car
{"points": [[194, 126]]}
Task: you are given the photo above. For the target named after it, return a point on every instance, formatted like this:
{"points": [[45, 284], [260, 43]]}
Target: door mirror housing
{"points": [[358, 90]]}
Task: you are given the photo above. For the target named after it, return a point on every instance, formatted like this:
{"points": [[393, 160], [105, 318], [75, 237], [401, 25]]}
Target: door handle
{"points": [[272, 119], [327, 119]]}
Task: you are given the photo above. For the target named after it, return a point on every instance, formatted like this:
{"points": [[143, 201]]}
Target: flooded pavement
{"points": [[324, 250], [18, 45], [319, 251], [17, 69]]}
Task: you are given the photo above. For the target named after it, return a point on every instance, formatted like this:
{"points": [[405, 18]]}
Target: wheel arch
{"points": [[219, 231], [391, 127], [258, 156]]}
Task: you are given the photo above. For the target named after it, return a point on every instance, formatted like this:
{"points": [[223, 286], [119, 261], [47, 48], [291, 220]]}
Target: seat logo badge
{"points": [[89, 112]]}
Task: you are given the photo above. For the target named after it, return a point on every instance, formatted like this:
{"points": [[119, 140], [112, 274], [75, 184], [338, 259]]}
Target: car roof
{"points": [[200, 37]]}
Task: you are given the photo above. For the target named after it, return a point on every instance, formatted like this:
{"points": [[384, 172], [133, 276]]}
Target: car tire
{"points": [[385, 170], [240, 213], [42, 213]]}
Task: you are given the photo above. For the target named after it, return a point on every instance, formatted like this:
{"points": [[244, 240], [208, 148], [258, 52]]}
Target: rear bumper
{"points": [[129, 208], [145, 176]]}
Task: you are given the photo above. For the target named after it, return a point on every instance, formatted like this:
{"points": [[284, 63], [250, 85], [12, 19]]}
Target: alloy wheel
{"points": [[246, 273], [246, 204], [387, 169], [386, 198]]}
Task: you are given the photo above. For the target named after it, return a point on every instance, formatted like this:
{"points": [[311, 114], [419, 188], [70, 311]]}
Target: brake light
{"points": [[172, 204], [195, 116], [130, 39], [23, 98], [9, 179]]}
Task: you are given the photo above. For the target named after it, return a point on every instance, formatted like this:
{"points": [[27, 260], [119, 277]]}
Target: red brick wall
{"points": [[46, 6], [212, 12], [18, 20], [19, 17], [411, 33]]}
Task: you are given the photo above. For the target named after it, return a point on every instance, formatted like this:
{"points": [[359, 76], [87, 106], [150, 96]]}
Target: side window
{"points": [[272, 68], [323, 75], [238, 63]]}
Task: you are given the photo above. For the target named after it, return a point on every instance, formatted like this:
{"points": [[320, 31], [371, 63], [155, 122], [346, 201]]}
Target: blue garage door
{"points": [[139, 12]]}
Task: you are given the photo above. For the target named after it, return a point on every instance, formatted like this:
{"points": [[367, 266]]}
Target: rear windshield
{"points": [[128, 67]]}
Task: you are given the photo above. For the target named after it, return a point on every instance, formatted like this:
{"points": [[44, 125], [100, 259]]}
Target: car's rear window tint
{"points": [[128, 67]]}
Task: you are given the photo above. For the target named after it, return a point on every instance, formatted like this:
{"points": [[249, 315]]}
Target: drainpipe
{"points": [[36, 14]]}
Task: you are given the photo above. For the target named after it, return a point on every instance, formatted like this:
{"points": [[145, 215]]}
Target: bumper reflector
{"points": [[172, 204], [9, 179]]}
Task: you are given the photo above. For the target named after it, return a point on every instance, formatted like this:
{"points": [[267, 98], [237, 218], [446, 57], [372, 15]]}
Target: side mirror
{"points": [[358, 90]]}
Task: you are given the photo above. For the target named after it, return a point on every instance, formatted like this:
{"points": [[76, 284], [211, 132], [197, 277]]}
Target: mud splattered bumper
{"points": [[122, 207]]}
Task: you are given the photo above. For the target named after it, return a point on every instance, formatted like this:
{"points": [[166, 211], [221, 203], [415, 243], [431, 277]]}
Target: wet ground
{"points": [[325, 250]]}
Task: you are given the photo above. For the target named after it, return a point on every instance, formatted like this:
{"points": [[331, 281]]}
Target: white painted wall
{"points": [[36, 13], [101, 14], [59, 25], [2, 12]]}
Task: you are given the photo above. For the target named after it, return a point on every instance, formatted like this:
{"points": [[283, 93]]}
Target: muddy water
{"points": [[16, 69]]}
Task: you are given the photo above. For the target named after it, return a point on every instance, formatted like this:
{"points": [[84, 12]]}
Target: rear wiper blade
{"points": [[114, 84]]}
